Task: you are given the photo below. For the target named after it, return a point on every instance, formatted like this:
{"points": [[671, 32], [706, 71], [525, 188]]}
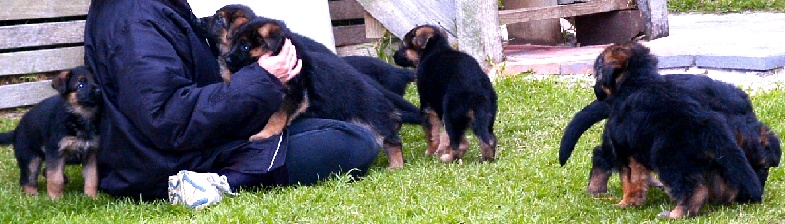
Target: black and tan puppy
{"points": [[217, 29], [656, 125], [453, 91], [59, 129], [760, 145], [327, 87]]}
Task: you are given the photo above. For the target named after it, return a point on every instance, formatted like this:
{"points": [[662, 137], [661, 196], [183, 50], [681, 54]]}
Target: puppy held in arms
{"points": [[454, 91], [60, 129], [218, 29], [327, 87]]}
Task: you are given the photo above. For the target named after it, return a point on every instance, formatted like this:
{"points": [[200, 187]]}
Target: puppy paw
{"points": [[447, 157], [394, 167], [31, 190], [625, 204], [667, 215]]}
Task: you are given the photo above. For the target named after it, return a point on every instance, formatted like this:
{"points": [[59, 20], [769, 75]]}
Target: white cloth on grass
{"points": [[197, 190]]}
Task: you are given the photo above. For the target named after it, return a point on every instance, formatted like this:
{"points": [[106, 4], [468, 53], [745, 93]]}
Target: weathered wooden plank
{"points": [[26, 62], [346, 35], [346, 9], [30, 9], [25, 94], [540, 32], [561, 11], [373, 28], [655, 18], [41, 34], [479, 34], [401, 16]]}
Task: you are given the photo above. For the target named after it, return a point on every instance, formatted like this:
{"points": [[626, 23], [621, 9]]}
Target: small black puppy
{"points": [[453, 90], [327, 87], [59, 129]]}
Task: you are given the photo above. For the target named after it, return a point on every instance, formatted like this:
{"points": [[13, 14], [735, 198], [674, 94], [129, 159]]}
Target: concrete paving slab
{"points": [[742, 41]]}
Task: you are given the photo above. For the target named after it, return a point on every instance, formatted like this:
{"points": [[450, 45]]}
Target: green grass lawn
{"points": [[726, 6], [525, 185]]}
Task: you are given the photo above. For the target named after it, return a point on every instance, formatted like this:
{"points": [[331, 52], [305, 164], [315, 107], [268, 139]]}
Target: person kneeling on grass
{"points": [[167, 110]]}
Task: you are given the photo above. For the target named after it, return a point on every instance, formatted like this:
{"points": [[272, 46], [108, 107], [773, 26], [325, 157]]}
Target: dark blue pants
{"points": [[318, 149]]}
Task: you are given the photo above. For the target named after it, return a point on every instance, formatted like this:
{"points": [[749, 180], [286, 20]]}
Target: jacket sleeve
{"points": [[159, 97]]}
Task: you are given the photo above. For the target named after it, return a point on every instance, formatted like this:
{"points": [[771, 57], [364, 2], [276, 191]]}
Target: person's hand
{"points": [[283, 66]]}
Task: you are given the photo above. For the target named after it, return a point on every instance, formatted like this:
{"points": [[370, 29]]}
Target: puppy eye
{"points": [[246, 48], [80, 85]]}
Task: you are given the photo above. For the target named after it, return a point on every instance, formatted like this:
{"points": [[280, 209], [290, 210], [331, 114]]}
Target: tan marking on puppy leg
{"points": [[274, 126], [488, 150], [55, 178], [432, 135], [634, 185], [33, 169], [690, 206], [90, 174], [598, 181], [463, 147], [394, 155], [445, 152], [719, 191], [30, 190]]}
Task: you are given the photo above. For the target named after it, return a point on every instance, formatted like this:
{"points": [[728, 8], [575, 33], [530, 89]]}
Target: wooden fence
{"points": [[44, 36]]}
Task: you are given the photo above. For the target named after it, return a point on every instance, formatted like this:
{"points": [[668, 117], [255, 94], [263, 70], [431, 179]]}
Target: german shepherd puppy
{"points": [[327, 87], [761, 146], [57, 130], [218, 30], [453, 90], [656, 125]]}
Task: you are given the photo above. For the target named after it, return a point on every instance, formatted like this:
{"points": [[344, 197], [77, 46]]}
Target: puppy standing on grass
{"points": [[59, 129], [760, 144], [655, 124], [327, 87], [453, 91]]}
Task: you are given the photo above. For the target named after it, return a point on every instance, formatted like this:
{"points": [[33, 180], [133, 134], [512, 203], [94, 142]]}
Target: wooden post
{"points": [[655, 18], [543, 32], [479, 33]]}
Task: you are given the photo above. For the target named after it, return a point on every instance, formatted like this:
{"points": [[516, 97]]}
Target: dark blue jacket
{"points": [[166, 108]]}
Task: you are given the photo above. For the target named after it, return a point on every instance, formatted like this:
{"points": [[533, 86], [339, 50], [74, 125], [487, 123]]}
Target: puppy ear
{"points": [[60, 83], [421, 41], [272, 34]]}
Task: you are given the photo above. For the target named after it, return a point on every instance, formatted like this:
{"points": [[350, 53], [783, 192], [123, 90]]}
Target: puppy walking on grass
{"points": [[59, 129], [454, 92]]}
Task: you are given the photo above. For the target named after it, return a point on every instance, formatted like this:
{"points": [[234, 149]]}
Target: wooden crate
{"points": [[37, 37], [348, 22]]}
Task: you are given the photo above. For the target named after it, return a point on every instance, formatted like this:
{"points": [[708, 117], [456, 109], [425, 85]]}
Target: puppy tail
{"points": [[736, 169], [583, 120], [7, 138], [410, 114]]}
